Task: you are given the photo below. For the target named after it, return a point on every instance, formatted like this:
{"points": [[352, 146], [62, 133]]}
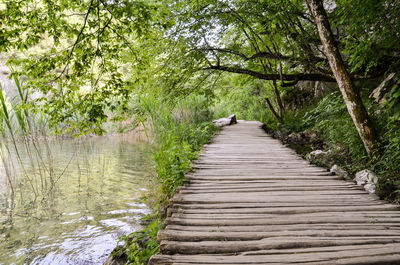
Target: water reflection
{"points": [[93, 202]]}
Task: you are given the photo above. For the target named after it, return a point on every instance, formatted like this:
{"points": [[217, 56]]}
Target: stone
{"points": [[365, 177], [338, 171], [370, 187], [295, 137], [222, 122], [318, 154], [379, 92], [119, 258], [322, 158], [321, 89], [225, 121], [233, 119]]}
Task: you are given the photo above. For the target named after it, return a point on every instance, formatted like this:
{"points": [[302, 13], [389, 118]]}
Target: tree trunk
{"points": [[278, 98], [352, 99], [272, 109]]}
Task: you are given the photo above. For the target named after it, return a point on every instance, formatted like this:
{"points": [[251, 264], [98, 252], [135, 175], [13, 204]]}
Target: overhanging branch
{"points": [[285, 77], [293, 78]]}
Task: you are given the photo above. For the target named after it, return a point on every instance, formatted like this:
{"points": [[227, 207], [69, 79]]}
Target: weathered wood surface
{"points": [[253, 201]]}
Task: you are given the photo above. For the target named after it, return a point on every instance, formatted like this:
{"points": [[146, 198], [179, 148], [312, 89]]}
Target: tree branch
{"points": [[265, 76], [78, 39]]}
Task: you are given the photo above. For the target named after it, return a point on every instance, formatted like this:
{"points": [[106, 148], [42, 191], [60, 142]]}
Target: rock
{"points": [[222, 122], [233, 119], [295, 137], [320, 157], [225, 121], [365, 177], [379, 92], [318, 89], [318, 154], [338, 171], [117, 259], [370, 187], [321, 89], [368, 179], [313, 135]]}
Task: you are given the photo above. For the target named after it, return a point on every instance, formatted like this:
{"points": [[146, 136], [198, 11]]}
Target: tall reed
{"points": [[180, 127], [26, 151]]}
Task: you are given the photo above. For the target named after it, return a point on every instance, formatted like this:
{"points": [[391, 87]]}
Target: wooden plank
{"points": [[281, 221], [234, 247], [281, 227], [244, 205], [286, 210], [357, 257], [191, 236], [276, 192], [249, 200]]}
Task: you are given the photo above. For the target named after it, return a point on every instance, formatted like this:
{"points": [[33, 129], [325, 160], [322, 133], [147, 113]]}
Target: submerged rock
{"points": [[225, 121], [118, 258]]}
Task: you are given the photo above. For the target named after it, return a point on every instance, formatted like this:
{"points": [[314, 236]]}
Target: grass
{"points": [[180, 129]]}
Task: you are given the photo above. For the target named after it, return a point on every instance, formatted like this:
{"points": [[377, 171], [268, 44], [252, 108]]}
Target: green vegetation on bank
{"points": [[179, 129]]}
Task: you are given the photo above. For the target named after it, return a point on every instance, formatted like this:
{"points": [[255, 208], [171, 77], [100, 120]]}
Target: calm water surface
{"points": [[92, 200]]}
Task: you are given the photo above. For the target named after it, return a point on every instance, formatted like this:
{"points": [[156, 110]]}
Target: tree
{"points": [[369, 33], [269, 40], [352, 99], [108, 47], [82, 57]]}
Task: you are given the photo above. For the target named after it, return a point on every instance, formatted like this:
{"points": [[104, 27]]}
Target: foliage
{"points": [[387, 116], [140, 246], [368, 33], [329, 120], [179, 129], [245, 98], [333, 123], [94, 53], [388, 166], [24, 148], [393, 101]]}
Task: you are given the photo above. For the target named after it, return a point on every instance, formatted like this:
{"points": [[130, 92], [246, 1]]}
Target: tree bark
{"points": [[352, 99], [278, 98], [285, 77], [272, 109]]}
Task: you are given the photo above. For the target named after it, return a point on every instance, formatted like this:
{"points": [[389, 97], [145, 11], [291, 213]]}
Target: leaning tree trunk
{"points": [[278, 98], [352, 99], [272, 109]]}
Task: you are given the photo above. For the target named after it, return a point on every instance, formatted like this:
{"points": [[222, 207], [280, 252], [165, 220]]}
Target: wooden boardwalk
{"points": [[253, 201]]}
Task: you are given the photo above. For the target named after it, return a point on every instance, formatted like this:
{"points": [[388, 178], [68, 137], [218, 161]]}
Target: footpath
{"points": [[251, 200]]}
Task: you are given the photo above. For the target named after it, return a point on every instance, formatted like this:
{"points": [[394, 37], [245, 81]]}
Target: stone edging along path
{"points": [[253, 201]]}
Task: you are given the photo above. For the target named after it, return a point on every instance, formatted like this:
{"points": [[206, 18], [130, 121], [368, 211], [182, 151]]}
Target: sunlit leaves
{"points": [[369, 33], [74, 52]]}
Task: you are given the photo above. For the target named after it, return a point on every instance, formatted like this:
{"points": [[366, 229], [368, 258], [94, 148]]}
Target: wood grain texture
{"points": [[251, 200]]}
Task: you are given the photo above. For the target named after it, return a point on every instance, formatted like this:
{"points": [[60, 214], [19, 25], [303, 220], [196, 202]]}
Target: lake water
{"points": [[77, 215]]}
